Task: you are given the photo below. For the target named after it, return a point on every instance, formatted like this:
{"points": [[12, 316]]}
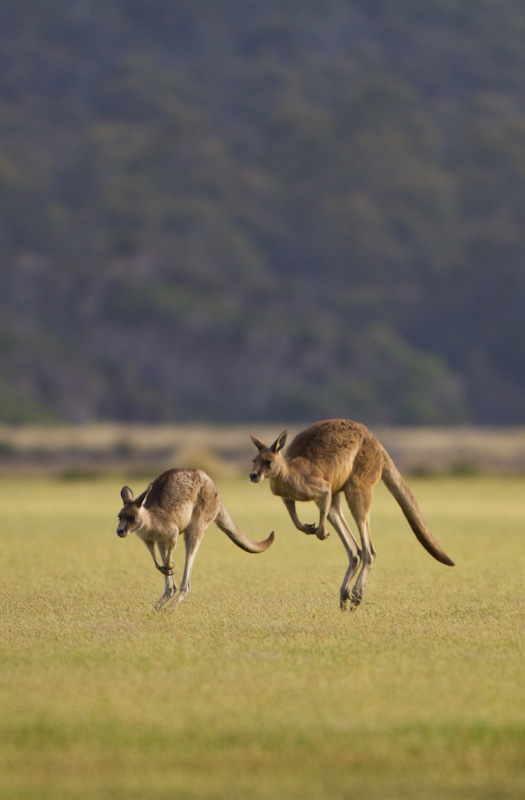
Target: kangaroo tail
{"points": [[226, 524], [397, 486]]}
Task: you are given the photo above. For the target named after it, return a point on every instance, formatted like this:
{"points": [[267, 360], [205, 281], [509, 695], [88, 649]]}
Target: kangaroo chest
{"points": [[296, 487]]}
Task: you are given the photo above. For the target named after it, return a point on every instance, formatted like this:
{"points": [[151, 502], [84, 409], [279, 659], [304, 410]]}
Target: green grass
{"points": [[258, 686]]}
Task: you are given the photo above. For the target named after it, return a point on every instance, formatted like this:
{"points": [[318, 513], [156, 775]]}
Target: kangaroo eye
{"points": [[267, 463]]}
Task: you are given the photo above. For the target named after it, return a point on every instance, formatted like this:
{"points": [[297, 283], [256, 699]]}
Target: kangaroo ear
{"points": [[127, 495], [279, 442], [145, 495], [257, 442]]}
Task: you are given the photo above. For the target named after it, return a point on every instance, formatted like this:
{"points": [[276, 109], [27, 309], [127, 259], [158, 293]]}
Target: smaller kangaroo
{"points": [[179, 501], [330, 457]]}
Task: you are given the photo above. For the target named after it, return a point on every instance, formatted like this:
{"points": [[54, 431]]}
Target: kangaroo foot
{"points": [[346, 598], [164, 599]]}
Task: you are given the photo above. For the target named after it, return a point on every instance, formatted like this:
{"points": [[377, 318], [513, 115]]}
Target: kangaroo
{"points": [[330, 457], [179, 501]]}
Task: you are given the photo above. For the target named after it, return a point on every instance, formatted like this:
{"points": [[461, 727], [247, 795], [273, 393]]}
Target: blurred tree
{"points": [[255, 209]]}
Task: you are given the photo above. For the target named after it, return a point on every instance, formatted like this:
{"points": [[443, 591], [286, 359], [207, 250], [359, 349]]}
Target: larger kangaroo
{"points": [[328, 458], [179, 501]]}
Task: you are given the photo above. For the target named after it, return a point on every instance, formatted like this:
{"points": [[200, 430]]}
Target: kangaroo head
{"points": [[268, 462], [130, 518]]}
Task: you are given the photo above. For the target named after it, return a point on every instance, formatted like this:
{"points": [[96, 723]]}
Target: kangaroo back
{"points": [[226, 524], [396, 484]]}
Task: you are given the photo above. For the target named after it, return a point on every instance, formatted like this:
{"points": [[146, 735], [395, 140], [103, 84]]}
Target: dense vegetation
{"points": [[237, 210]]}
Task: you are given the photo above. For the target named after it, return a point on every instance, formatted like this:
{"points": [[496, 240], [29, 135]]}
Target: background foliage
{"points": [[243, 210]]}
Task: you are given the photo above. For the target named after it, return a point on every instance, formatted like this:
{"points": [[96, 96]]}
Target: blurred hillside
{"points": [[232, 210]]}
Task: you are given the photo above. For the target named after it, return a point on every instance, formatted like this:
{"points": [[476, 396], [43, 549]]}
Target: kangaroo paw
{"points": [[165, 570], [309, 529], [322, 534]]}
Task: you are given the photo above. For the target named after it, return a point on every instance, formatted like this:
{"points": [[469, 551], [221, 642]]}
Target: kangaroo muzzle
{"points": [[255, 477]]}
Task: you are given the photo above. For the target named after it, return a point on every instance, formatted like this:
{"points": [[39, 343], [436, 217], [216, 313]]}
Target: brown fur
{"points": [[333, 457], [179, 501]]}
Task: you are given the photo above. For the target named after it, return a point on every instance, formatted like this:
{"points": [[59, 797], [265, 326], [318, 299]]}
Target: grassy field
{"points": [[258, 686]]}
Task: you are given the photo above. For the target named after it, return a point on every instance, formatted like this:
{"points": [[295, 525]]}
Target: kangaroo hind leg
{"points": [[359, 498], [340, 525], [192, 539], [166, 567]]}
